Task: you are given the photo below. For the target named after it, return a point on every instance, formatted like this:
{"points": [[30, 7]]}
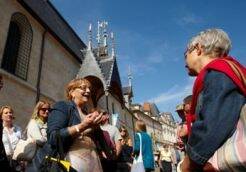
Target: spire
{"points": [[113, 44], [129, 76], [90, 37], [98, 33], [105, 34]]}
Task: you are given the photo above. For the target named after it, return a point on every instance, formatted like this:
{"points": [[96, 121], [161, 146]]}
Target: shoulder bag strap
{"points": [[237, 70], [140, 141]]}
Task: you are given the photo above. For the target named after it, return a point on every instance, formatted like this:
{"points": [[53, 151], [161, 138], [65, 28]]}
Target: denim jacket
{"points": [[63, 115], [218, 109]]}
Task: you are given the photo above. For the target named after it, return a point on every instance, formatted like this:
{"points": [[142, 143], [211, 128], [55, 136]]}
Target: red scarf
{"points": [[221, 65]]}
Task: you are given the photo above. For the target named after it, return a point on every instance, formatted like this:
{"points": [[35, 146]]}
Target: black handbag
{"points": [[55, 161]]}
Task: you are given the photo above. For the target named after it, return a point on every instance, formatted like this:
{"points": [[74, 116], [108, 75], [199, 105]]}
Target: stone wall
{"points": [[59, 67]]}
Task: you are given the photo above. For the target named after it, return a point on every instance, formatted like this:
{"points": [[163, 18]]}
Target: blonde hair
{"points": [[215, 42], [37, 108], [126, 138], [140, 126], [5, 107], [73, 84]]}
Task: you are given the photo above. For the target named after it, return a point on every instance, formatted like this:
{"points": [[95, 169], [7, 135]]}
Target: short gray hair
{"points": [[215, 42]]}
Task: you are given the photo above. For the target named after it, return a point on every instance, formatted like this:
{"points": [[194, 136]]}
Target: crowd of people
{"points": [[213, 118], [87, 139]]}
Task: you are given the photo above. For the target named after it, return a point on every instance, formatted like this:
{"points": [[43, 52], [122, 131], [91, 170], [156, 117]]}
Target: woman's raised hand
{"points": [[93, 119]]}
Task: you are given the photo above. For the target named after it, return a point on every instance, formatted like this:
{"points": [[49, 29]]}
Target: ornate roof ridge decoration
{"points": [[105, 62]]}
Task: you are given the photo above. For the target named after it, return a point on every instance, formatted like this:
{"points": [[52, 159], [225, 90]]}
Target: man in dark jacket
{"points": [[4, 164]]}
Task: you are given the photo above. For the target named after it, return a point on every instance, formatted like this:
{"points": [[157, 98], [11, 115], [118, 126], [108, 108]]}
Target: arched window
{"points": [[18, 46]]}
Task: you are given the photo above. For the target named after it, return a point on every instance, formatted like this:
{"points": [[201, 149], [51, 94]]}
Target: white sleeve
{"points": [[33, 131]]}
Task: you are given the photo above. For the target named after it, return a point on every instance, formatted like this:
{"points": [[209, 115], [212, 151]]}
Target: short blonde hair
{"points": [[38, 106], [215, 42], [140, 126], [73, 84], [5, 107]]}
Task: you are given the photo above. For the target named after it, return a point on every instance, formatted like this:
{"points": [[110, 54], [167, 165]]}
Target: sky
{"points": [[151, 36]]}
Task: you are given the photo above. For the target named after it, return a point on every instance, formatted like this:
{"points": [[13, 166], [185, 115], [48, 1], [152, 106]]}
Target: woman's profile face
{"points": [[44, 111], [7, 115], [81, 94]]}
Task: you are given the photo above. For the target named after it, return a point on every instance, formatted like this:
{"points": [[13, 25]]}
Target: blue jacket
{"points": [[147, 151], [218, 109], [63, 115]]}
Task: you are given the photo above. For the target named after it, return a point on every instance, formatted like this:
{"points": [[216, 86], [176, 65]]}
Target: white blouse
{"points": [[10, 138]]}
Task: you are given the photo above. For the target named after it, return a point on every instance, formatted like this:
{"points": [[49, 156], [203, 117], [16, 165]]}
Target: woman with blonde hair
{"points": [[125, 136], [147, 150], [125, 158], [37, 126], [4, 164], [10, 136]]}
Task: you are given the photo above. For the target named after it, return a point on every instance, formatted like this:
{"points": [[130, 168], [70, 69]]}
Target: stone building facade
{"points": [[37, 58], [169, 128], [160, 126]]}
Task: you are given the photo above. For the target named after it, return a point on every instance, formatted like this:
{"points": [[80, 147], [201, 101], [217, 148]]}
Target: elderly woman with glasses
{"points": [[219, 93], [76, 127]]}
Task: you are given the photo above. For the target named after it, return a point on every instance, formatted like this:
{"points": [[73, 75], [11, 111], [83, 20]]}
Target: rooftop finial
{"points": [[113, 44], [105, 35], [90, 37], [129, 76], [98, 33]]}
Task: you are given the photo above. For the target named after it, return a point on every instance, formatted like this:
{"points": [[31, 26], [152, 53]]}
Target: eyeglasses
{"points": [[83, 87], [45, 109], [123, 130], [189, 50]]}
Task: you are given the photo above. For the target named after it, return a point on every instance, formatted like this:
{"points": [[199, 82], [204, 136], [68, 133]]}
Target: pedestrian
{"points": [[37, 127], [109, 163], [125, 158], [185, 126], [166, 159], [75, 127], [4, 164], [11, 135], [218, 96], [147, 150]]}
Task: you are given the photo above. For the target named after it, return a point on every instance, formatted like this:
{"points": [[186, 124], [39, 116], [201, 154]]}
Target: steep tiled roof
{"points": [[112, 76], [109, 70], [106, 67], [127, 90], [51, 19]]}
